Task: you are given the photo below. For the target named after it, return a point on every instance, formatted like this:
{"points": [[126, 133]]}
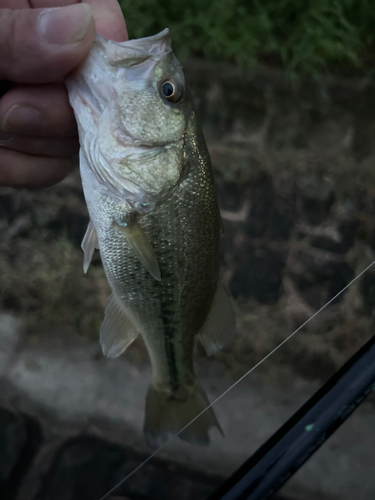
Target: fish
{"points": [[154, 216]]}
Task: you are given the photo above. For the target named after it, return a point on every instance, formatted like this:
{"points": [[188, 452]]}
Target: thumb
{"points": [[44, 45]]}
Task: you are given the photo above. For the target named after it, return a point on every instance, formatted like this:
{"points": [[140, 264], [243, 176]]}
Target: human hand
{"points": [[39, 46]]}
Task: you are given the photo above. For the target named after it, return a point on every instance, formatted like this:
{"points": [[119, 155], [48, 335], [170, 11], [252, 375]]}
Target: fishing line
{"points": [[150, 457]]}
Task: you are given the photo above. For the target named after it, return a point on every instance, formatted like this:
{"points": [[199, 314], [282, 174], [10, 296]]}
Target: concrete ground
{"points": [[64, 380]]}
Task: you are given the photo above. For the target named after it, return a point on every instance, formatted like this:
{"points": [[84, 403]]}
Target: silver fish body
{"points": [[150, 193]]}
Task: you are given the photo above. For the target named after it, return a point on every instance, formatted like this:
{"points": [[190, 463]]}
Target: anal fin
{"points": [[89, 243], [220, 323], [118, 330], [141, 245]]}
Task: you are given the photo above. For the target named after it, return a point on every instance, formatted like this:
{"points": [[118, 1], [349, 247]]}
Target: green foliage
{"points": [[304, 36]]}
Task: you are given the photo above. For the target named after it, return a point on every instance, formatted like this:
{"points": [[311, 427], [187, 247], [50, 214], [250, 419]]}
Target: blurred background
{"points": [[285, 93]]}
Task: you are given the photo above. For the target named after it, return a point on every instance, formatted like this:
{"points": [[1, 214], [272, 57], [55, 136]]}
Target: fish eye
{"points": [[171, 90]]}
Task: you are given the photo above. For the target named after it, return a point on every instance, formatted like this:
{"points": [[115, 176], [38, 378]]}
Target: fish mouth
{"points": [[133, 52]]}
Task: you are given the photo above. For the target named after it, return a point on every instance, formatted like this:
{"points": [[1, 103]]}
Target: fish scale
{"points": [[160, 300]]}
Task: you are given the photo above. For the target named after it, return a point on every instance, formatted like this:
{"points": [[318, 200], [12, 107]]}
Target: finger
{"points": [[44, 45], [41, 4], [109, 19], [63, 147], [37, 110], [14, 4], [20, 170], [108, 16]]}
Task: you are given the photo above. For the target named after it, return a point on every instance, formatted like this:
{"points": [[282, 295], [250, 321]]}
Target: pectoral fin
{"points": [[220, 323], [118, 330], [89, 243], [141, 245]]}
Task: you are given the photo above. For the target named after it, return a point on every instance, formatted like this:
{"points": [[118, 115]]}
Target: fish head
{"points": [[133, 110], [151, 100]]}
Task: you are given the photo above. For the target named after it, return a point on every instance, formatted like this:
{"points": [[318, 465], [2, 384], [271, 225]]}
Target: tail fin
{"points": [[166, 415]]}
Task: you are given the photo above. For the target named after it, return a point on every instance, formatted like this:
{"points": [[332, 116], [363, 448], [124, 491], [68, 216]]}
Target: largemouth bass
{"points": [[154, 215]]}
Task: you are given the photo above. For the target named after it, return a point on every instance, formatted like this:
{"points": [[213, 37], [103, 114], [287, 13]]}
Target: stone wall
{"points": [[84, 467], [296, 178], [295, 172]]}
